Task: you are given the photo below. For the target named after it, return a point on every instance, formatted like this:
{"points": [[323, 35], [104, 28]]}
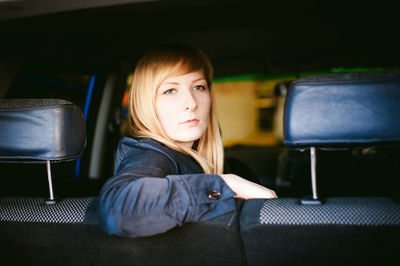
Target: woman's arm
{"points": [[143, 200]]}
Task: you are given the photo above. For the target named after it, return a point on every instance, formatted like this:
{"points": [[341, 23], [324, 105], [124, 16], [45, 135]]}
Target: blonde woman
{"points": [[171, 171]]}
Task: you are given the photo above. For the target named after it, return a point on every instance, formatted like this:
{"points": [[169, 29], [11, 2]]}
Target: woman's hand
{"points": [[246, 189]]}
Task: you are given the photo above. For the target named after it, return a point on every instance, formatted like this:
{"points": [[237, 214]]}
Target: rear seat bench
{"points": [[330, 112]]}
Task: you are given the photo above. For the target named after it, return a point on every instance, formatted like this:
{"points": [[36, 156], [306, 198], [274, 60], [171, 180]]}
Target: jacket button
{"points": [[214, 195]]}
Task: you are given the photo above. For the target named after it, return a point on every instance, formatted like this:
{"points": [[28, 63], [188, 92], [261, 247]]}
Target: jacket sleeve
{"points": [[143, 199]]}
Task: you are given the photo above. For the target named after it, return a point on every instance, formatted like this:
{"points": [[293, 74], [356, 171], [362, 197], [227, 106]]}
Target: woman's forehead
{"points": [[184, 66]]}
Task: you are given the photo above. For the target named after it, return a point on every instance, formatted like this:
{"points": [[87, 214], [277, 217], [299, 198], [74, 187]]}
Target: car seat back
{"points": [[330, 112]]}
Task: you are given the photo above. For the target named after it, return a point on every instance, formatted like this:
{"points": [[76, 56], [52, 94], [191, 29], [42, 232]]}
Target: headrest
{"points": [[41, 129], [343, 109]]}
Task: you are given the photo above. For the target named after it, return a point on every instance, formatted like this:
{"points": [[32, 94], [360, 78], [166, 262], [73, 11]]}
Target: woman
{"points": [[171, 171]]}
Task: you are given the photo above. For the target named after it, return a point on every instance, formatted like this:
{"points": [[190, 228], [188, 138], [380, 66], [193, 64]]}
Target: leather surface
{"points": [[342, 109], [41, 129]]}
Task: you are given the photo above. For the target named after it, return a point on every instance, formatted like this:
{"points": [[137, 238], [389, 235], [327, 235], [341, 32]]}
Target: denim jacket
{"points": [[155, 188]]}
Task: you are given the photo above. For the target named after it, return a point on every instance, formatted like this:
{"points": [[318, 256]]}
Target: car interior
{"points": [[308, 97]]}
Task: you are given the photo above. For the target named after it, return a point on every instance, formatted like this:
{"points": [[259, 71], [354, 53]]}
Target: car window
{"points": [[49, 80]]}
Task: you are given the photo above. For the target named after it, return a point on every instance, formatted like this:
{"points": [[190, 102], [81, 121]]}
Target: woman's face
{"points": [[183, 107]]}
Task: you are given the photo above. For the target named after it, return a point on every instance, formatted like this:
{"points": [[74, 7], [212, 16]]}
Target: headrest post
{"points": [[314, 200], [313, 156], [51, 199]]}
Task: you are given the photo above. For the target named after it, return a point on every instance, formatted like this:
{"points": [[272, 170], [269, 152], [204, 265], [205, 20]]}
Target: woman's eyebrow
{"points": [[169, 83], [177, 83], [200, 79]]}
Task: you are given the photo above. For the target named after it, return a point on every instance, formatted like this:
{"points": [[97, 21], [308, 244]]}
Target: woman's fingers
{"points": [[246, 189]]}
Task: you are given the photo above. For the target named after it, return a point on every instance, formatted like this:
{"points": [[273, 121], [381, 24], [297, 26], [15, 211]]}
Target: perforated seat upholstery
{"points": [[32, 209], [357, 211]]}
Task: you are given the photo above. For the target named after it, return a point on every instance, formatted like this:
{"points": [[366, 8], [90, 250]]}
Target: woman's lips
{"points": [[191, 122]]}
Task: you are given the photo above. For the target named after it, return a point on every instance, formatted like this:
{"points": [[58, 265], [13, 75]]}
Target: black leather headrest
{"points": [[343, 109], [41, 129]]}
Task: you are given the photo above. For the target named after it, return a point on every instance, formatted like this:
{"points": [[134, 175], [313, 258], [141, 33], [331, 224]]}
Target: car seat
{"points": [[65, 230], [329, 112]]}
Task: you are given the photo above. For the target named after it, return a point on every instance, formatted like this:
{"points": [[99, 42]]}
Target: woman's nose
{"points": [[190, 102]]}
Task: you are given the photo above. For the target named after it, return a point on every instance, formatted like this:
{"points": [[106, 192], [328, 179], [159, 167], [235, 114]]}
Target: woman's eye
{"points": [[170, 91], [199, 88]]}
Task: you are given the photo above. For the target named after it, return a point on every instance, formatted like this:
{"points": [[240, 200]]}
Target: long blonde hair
{"points": [[152, 69]]}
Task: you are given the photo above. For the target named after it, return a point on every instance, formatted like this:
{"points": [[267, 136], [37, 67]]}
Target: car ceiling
{"points": [[240, 36]]}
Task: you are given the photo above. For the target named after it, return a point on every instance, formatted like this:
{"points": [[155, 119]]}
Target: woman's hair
{"points": [[152, 69]]}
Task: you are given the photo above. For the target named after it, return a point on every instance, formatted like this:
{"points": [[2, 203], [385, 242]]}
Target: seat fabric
{"points": [[342, 231]]}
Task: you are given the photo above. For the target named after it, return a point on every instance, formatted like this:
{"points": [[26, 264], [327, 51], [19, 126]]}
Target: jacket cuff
{"points": [[210, 196]]}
